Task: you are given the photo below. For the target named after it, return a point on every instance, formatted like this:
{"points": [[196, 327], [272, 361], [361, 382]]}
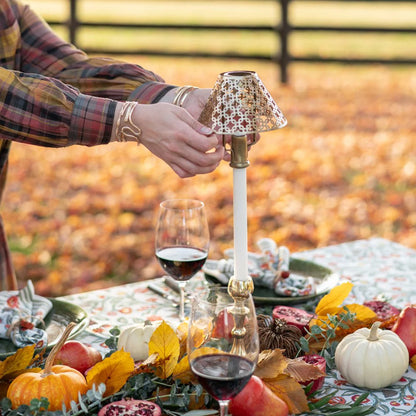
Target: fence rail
{"points": [[282, 30]]}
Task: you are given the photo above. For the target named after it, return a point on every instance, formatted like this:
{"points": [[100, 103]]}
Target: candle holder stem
{"points": [[239, 290], [239, 152]]}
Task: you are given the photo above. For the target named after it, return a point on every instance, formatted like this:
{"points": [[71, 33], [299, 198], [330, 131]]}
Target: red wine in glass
{"points": [[223, 342], [222, 375], [181, 262], [182, 241]]}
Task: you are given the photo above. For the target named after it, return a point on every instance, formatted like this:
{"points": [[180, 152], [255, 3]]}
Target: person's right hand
{"points": [[173, 135]]}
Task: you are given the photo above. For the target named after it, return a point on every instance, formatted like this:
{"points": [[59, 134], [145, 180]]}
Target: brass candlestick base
{"points": [[239, 290]]}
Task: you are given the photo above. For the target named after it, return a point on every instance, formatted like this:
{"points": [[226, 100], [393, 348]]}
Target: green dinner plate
{"points": [[58, 318], [324, 277]]}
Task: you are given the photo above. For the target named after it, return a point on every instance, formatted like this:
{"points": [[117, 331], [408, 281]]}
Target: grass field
{"points": [[343, 169], [372, 13]]}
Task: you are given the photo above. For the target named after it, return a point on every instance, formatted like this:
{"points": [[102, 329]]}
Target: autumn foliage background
{"points": [[343, 169]]}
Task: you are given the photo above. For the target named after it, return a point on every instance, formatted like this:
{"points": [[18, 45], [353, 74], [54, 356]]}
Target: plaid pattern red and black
{"points": [[52, 94]]}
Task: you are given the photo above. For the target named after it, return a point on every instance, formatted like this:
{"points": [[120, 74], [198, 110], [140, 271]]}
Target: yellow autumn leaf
{"points": [[289, 391], [113, 371], [413, 362], [18, 362], [362, 313], [147, 366], [182, 332], [183, 372], [165, 343], [200, 331], [333, 299], [271, 363]]}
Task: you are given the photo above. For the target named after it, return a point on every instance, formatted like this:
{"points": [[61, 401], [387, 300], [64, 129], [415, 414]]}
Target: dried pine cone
{"points": [[276, 333]]}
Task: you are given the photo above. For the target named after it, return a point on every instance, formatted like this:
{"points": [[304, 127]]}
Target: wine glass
{"points": [[223, 343], [182, 241]]}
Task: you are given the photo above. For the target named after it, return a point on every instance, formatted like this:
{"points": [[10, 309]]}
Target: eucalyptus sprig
{"points": [[327, 332]]}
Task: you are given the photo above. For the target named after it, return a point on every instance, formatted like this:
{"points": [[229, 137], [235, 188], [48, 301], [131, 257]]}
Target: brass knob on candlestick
{"points": [[240, 288]]}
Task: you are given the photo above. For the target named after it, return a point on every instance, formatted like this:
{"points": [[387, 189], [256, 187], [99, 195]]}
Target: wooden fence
{"points": [[283, 29]]}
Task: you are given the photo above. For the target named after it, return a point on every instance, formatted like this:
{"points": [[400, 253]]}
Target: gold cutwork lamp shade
{"points": [[240, 104]]}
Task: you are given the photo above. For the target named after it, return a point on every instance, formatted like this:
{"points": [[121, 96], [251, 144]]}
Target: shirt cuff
{"points": [[91, 120], [150, 92]]}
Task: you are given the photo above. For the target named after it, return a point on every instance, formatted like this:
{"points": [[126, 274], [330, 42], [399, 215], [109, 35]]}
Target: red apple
{"points": [[405, 328], [77, 355], [256, 399]]}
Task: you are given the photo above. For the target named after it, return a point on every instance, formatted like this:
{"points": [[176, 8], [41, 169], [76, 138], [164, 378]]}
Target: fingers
{"points": [[174, 136]]}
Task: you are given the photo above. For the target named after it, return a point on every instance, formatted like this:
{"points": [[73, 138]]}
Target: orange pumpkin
{"points": [[58, 383]]}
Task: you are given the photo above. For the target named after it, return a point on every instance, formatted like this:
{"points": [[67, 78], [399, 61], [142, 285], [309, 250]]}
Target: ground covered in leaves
{"points": [[343, 169]]}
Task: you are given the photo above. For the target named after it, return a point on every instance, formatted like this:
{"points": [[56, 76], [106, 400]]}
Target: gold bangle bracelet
{"points": [[181, 95], [126, 129]]}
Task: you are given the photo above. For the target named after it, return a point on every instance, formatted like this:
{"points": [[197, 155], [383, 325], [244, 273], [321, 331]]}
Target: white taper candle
{"points": [[240, 224]]}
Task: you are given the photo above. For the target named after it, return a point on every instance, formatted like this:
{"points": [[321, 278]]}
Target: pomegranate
{"points": [[256, 399], [320, 362], [383, 309], [405, 328], [77, 355], [130, 407], [293, 316]]}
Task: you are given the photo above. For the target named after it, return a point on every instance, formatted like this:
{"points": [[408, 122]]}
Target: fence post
{"points": [[73, 22], [284, 37]]}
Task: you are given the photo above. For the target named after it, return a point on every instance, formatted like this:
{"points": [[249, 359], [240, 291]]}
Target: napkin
{"points": [[21, 312], [270, 269]]}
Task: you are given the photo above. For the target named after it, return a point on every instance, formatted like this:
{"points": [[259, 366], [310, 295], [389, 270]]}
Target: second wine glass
{"points": [[223, 343], [182, 241]]}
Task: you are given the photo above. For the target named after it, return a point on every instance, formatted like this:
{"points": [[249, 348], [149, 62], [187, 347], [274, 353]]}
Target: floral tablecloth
{"points": [[376, 267]]}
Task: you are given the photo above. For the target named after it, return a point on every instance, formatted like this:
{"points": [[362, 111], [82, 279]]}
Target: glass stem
{"points": [[182, 301], [223, 407]]}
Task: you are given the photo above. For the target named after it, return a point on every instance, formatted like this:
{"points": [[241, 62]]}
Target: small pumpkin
{"points": [[372, 358], [135, 339], [277, 333], [60, 384]]}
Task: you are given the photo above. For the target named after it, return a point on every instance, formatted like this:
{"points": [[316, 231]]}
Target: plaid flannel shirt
{"points": [[52, 94]]}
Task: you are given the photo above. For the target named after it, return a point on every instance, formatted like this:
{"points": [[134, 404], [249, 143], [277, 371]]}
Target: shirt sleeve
{"points": [[44, 111], [53, 94], [42, 51]]}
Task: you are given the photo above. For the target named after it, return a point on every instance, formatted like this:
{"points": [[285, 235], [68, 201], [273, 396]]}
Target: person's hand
{"points": [[175, 136], [196, 100]]}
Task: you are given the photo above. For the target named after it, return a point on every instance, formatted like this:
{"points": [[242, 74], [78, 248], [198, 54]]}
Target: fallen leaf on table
{"points": [[113, 371], [413, 362], [289, 390], [331, 304], [165, 343], [183, 372], [273, 369], [302, 371], [17, 363]]}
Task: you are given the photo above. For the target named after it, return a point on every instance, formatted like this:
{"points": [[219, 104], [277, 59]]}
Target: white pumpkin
{"points": [[372, 358], [135, 339]]}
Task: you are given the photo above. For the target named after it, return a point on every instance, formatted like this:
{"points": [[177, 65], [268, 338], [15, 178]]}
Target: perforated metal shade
{"points": [[240, 104]]}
